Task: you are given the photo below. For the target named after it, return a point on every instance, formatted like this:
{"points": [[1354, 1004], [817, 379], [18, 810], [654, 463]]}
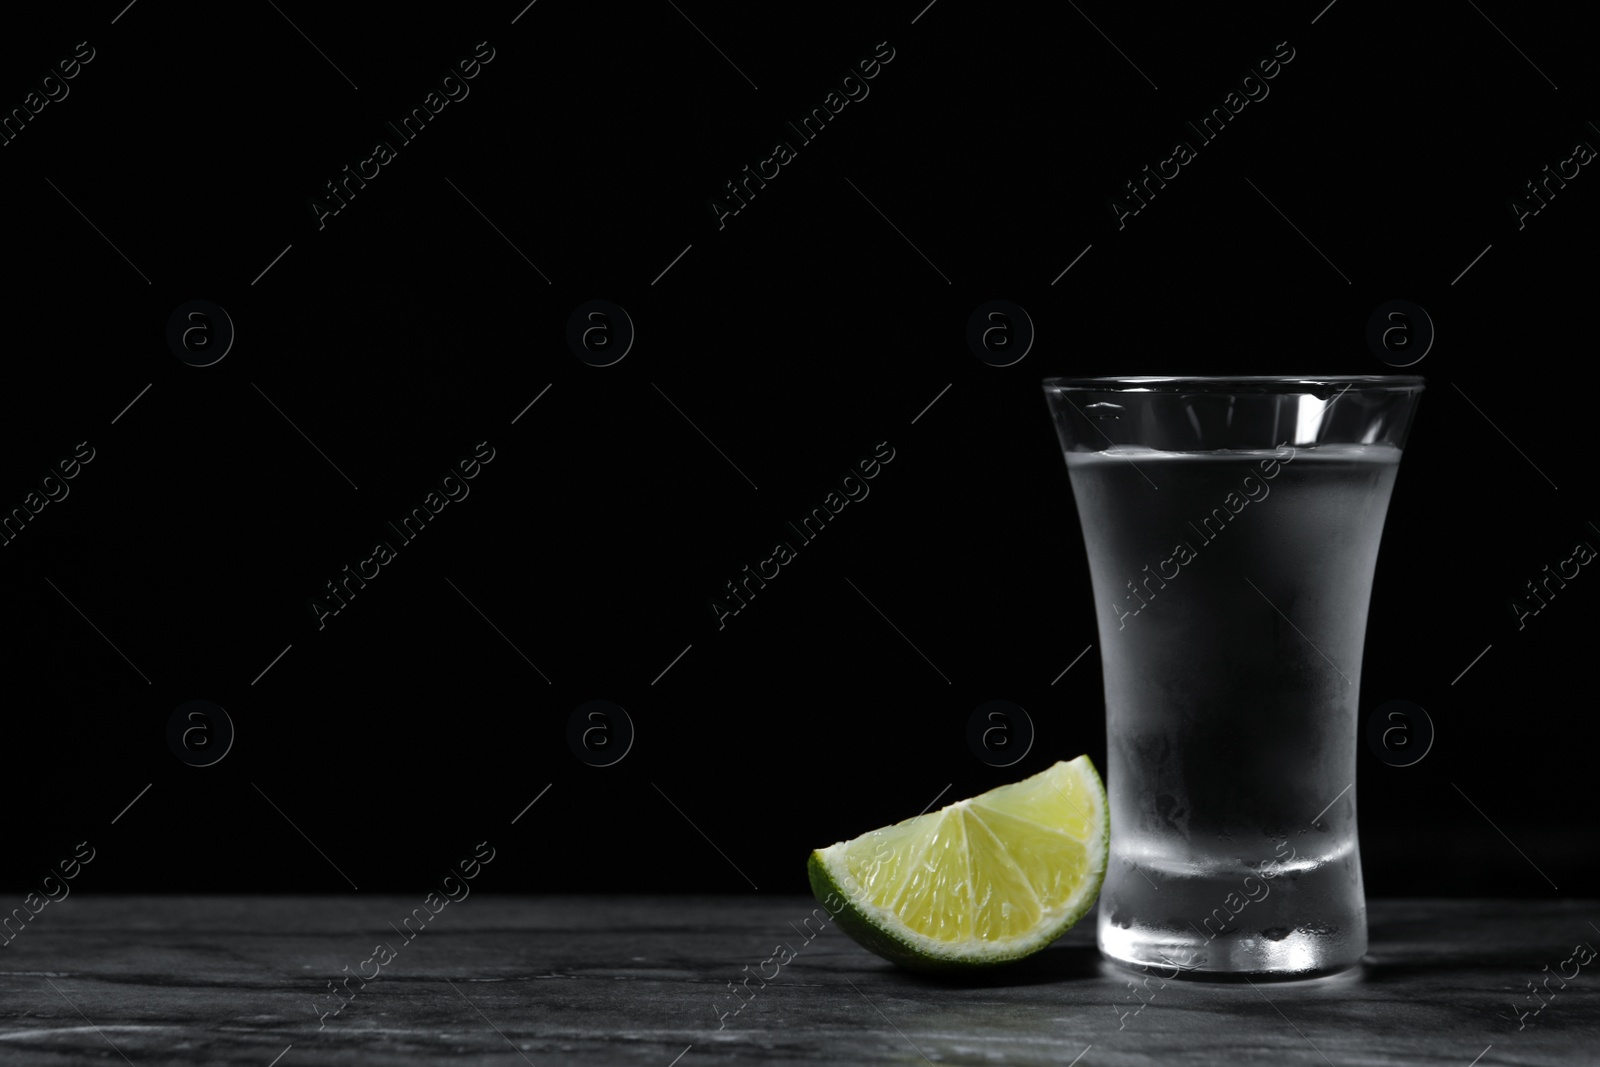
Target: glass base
{"points": [[1296, 956], [1308, 922]]}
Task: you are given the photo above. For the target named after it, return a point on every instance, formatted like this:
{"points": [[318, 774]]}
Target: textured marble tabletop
{"points": [[659, 980]]}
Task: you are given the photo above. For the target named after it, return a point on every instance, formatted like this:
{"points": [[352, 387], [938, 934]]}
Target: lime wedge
{"points": [[983, 881]]}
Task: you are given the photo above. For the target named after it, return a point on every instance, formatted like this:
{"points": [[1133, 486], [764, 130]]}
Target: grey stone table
{"points": [[646, 980]]}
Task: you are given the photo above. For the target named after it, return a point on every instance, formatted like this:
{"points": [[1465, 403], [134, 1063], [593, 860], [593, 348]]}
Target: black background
{"points": [[821, 320]]}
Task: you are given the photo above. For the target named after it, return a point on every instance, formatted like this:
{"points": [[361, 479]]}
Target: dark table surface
{"points": [[645, 980]]}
